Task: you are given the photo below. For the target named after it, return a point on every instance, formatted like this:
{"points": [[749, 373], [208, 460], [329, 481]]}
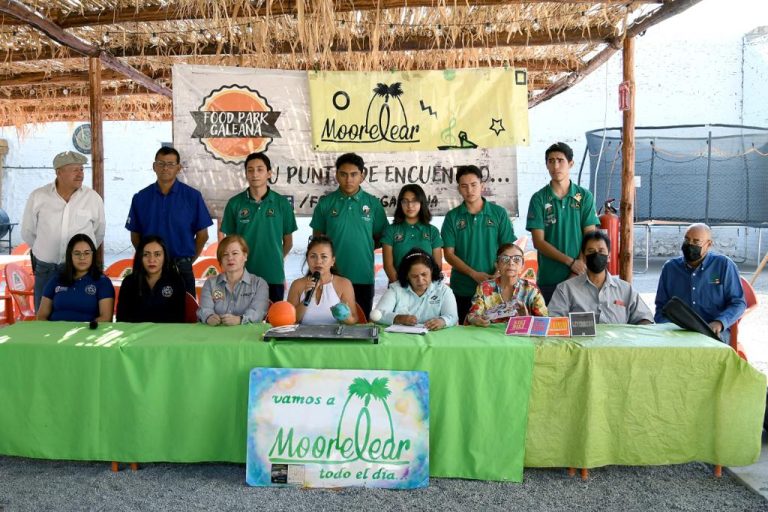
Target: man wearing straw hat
{"points": [[55, 213]]}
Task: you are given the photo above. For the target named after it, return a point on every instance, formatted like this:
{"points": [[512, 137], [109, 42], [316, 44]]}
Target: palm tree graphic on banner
{"points": [[386, 91], [362, 389]]}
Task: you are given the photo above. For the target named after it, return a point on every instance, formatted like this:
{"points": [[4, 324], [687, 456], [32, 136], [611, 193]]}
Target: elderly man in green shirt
{"points": [[558, 217], [472, 233], [266, 221], [354, 220]]}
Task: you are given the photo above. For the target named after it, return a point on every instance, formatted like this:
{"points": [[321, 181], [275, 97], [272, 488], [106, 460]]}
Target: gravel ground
{"points": [[58, 485]]}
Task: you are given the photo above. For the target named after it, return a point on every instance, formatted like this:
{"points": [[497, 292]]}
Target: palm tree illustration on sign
{"points": [[363, 390], [386, 91]]}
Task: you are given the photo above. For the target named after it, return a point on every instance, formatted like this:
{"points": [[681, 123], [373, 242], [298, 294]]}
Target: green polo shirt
{"points": [[475, 238], [351, 222], [403, 237], [563, 221], [263, 225]]}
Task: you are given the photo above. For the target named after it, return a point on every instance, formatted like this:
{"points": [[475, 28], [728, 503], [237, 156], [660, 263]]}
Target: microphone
{"points": [[315, 280], [93, 324]]}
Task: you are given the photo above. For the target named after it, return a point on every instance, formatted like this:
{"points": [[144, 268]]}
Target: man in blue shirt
{"points": [[706, 281], [173, 211]]}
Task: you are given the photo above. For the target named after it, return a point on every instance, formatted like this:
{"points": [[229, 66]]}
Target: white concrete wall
{"points": [[129, 148]]}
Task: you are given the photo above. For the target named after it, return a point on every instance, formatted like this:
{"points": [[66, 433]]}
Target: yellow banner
{"points": [[418, 110]]}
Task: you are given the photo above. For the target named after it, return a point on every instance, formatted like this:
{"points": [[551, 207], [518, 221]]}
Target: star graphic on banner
{"points": [[496, 126]]}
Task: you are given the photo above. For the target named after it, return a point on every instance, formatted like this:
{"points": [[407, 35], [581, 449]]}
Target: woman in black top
{"points": [[154, 292]]}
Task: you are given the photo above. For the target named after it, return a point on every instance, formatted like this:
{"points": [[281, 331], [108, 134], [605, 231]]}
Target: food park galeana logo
{"points": [[234, 121]]}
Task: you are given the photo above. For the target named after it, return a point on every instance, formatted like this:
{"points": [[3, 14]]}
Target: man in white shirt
{"points": [[55, 213]]}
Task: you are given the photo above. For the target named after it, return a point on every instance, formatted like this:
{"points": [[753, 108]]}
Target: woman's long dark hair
{"points": [[67, 276], [425, 216], [139, 271]]}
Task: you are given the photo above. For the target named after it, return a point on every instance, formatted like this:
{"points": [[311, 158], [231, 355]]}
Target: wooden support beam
{"points": [[18, 10], [500, 39], [669, 9], [70, 77], [76, 92], [97, 140], [259, 9], [627, 207], [108, 75]]}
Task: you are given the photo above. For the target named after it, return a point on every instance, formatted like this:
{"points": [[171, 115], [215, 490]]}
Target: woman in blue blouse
{"points": [[419, 296], [154, 291], [81, 292]]}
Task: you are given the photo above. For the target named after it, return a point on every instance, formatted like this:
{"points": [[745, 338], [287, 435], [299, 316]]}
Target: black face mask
{"points": [[597, 262], [691, 252]]}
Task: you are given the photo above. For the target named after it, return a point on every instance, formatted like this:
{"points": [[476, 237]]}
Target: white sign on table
{"points": [[338, 428]]}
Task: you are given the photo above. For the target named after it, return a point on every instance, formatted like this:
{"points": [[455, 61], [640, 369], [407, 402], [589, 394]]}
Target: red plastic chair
{"points": [[360, 314], [206, 267], [530, 266], [210, 251], [7, 315], [190, 308], [21, 286], [120, 269], [20, 250], [751, 298]]}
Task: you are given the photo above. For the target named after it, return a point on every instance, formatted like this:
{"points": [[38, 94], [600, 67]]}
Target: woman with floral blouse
{"points": [[508, 294]]}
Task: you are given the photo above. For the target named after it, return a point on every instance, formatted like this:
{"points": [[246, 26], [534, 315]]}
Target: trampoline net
{"points": [[716, 174]]}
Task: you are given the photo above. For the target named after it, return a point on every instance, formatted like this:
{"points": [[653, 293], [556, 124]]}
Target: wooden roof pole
{"points": [[159, 13], [626, 219], [23, 13], [97, 138]]}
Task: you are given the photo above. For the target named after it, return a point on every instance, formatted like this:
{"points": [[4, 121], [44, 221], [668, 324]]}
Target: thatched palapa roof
{"points": [[45, 45]]}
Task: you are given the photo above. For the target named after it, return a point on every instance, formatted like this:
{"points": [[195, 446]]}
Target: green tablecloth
{"points": [[151, 392], [639, 395], [631, 395]]}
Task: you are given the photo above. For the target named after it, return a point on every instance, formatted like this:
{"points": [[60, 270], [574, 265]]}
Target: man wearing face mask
{"points": [[706, 281], [613, 300]]}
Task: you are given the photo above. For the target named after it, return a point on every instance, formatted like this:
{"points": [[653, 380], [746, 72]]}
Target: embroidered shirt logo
{"points": [[167, 291], [90, 289]]}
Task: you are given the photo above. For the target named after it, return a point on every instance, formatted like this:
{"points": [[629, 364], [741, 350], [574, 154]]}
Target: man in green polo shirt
{"points": [[354, 220], [266, 220], [472, 233], [558, 217]]}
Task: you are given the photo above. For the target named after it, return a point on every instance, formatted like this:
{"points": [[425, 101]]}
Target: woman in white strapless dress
{"points": [[328, 291]]}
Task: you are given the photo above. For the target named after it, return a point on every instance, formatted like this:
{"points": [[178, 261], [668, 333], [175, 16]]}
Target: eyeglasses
{"points": [[82, 254], [165, 165], [505, 260]]}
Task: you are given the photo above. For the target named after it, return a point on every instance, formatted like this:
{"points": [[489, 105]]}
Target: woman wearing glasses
{"points": [[154, 291], [410, 229], [80, 293], [508, 294]]}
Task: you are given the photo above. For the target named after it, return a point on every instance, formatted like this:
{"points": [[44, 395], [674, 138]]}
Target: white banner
{"points": [[221, 114], [338, 428]]}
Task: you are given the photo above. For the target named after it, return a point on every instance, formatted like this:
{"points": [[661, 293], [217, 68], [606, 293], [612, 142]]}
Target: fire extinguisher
{"points": [[609, 224]]}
